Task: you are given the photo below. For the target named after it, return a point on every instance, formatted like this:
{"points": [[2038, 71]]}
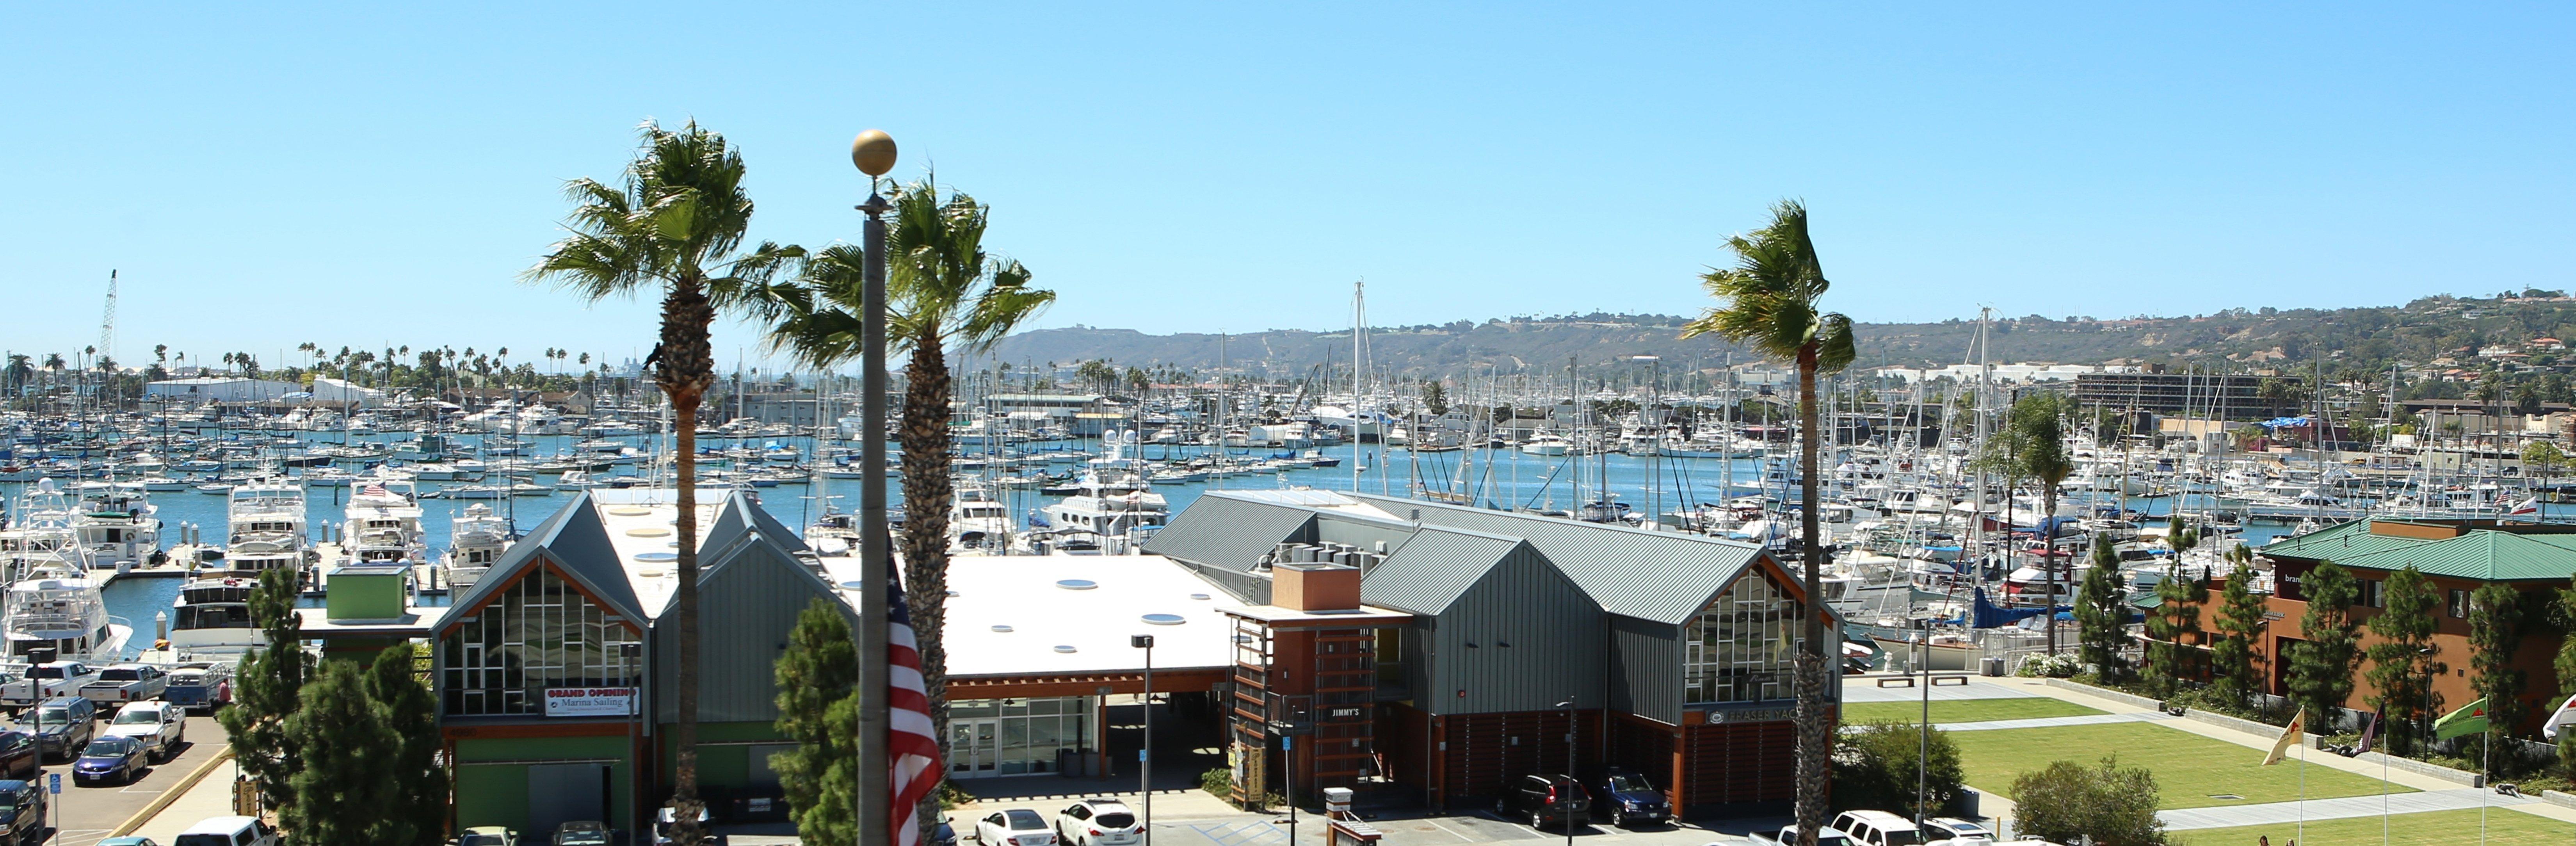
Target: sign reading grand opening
{"points": [[590, 701]]}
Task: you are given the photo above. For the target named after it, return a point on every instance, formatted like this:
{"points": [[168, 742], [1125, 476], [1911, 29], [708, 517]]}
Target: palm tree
{"points": [[2032, 446], [1770, 302], [675, 226], [941, 289]]}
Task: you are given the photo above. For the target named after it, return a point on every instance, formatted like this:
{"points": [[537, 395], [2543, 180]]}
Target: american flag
{"points": [[912, 741], [374, 489]]}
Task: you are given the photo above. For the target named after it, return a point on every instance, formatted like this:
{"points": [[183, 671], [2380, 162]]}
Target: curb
{"points": [[172, 795]]}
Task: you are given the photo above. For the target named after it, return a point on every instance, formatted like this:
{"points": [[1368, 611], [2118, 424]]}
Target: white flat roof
{"points": [[1023, 592]]}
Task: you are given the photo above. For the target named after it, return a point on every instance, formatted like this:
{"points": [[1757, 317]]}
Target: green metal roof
{"points": [[2478, 554]]}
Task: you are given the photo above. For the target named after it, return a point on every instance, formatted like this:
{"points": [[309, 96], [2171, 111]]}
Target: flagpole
{"points": [[2486, 761], [2303, 781], [2381, 723]]}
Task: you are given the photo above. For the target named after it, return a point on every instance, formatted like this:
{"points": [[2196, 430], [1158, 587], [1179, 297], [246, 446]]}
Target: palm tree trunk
{"points": [[1814, 732], [688, 367], [927, 491]]}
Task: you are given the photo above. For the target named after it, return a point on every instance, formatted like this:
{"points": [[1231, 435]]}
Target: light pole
{"points": [[873, 152], [1145, 750], [629, 653], [1923, 755], [1568, 705]]}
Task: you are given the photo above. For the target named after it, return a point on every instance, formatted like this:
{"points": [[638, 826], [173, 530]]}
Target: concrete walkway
{"points": [[2338, 808], [211, 797]]}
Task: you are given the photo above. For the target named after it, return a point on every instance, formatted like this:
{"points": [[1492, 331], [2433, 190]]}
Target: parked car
{"points": [[17, 755], [1956, 832], [126, 683], [1098, 822], [118, 760], [228, 831], [947, 836], [22, 812], [582, 833], [161, 726], [1014, 827], [1631, 799], [485, 835], [665, 818], [1878, 828], [62, 726], [46, 681], [128, 841], [1787, 834], [199, 686], [1543, 799]]}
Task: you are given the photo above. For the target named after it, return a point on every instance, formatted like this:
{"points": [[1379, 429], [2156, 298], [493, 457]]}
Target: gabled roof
{"points": [[1433, 568], [1664, 577], [1228, 531], [574, 538], [2479, 552], [2338, 542]]}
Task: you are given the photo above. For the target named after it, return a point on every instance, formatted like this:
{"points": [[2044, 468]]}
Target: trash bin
{"points": [[1994, 665]]}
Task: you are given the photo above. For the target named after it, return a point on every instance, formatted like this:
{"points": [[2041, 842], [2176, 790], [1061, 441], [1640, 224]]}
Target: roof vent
{"points": [[1164, 619], [1076, 584], [1064, 649], [1002, 629], [1199, 596]]}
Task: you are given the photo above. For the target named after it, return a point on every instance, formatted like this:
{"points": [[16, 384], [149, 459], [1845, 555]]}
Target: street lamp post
{"points": [[629, 653], [873, 152], [1568, 705], [1145, 750], [1923, 755]]}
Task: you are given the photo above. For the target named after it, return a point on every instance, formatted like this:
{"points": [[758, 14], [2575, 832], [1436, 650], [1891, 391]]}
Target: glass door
{"points": [[973, 748]]}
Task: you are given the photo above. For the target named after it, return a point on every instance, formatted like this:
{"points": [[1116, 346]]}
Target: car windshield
{"points": [[8, 802], [109, 747], [1114, 819], [479, 840], [137, 716], [55, 715], [1630, 784], [1904, 838], [587, 835], [1023, 819], [203, 840]]}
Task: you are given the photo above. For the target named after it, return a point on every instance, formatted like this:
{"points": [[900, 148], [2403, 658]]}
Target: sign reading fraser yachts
{"points": [[590, 701]]}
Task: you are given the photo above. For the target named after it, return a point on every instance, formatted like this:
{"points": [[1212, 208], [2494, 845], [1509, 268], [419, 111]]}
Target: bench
{"points": [[1908, 681], [1960, 679]]}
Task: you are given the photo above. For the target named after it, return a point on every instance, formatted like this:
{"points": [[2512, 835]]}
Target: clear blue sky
{"points": [[353, 175]]}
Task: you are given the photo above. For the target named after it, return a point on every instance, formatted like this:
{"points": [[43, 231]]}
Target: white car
{"points": [[1099, 822], [1014, 827], [1953, 831], [161, 726]]}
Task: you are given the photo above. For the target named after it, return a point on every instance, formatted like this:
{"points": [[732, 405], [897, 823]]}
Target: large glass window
{"points": [[990, 737], [539, 634], [1742, 647]]}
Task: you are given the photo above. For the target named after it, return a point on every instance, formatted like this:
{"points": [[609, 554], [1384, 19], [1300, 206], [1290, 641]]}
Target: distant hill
{"points": [[2427, 331]]}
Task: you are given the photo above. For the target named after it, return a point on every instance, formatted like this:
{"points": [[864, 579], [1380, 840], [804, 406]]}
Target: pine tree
{"points": [[265, 692], [2102, 615], [2495, 634], [417, 815], [2240, 620], [2321, 669], [2177, 620], [343, 785], [818, 676], [2402, 662]]}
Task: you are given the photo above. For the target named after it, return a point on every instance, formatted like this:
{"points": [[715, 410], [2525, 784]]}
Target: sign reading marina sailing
{"points": [[590, 701]]}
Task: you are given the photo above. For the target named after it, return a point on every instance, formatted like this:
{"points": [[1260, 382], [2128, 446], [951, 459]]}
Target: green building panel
{"points": [[492, 777], [725, 752]]}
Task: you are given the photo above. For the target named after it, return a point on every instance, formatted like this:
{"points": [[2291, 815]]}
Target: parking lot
{"points": [[85, 814]]}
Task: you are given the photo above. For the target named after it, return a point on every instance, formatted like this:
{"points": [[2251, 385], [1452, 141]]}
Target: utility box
{"points": [[1337, 800], [1315, 587], [366, 592]]}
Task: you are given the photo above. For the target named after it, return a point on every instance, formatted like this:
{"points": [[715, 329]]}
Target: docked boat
{"points": [[477, 539], [1104, 510], [267, 528], [118, 524], [212, 617], [384, 525], [41, 536], [62, 610]]}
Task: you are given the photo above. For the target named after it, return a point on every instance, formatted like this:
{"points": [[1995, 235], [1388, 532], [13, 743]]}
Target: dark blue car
{"points": [[22, 812], [118, 759], [1627, 799]]}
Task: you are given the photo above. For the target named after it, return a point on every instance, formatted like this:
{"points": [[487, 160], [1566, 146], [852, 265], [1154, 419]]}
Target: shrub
{"points": [[2065, 801], [2052, 666], [1218, 782], [1874, 767]]}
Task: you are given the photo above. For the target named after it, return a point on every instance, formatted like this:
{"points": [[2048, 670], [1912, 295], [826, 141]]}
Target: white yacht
{"points": [[212, 617], [1096, 509], [41, 536], [266, 528], [978, 522], [118, 524], [61, 609], [475, 541], [384, 525]]}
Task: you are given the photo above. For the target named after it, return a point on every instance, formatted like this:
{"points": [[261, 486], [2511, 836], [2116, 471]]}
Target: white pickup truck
{"points": [[126, 683], [46, 681]]}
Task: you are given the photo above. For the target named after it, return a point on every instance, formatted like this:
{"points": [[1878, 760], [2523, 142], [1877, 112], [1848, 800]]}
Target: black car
{"points": [[1631, 799], [1543, 799], [22, 813], [17, 755]]}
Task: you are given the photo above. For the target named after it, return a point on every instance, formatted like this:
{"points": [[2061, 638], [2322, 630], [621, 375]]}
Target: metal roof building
{"points": [[1664, 652]]}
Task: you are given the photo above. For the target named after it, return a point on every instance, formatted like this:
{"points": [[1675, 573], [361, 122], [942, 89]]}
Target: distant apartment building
{"points": [[2224, 397]]}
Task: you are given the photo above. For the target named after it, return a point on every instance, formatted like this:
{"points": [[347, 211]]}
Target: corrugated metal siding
{"points": [[1657, 576], [1224, 532], [1646, 669], [747, 603], [1554, 637], [1432, 568]]}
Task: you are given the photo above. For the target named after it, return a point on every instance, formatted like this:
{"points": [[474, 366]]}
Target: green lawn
{"points": [[2189, 768], [2433, 828], [1964, 710]]}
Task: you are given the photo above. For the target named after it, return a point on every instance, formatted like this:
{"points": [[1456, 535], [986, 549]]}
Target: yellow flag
{"points": [[2289, 735]]}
